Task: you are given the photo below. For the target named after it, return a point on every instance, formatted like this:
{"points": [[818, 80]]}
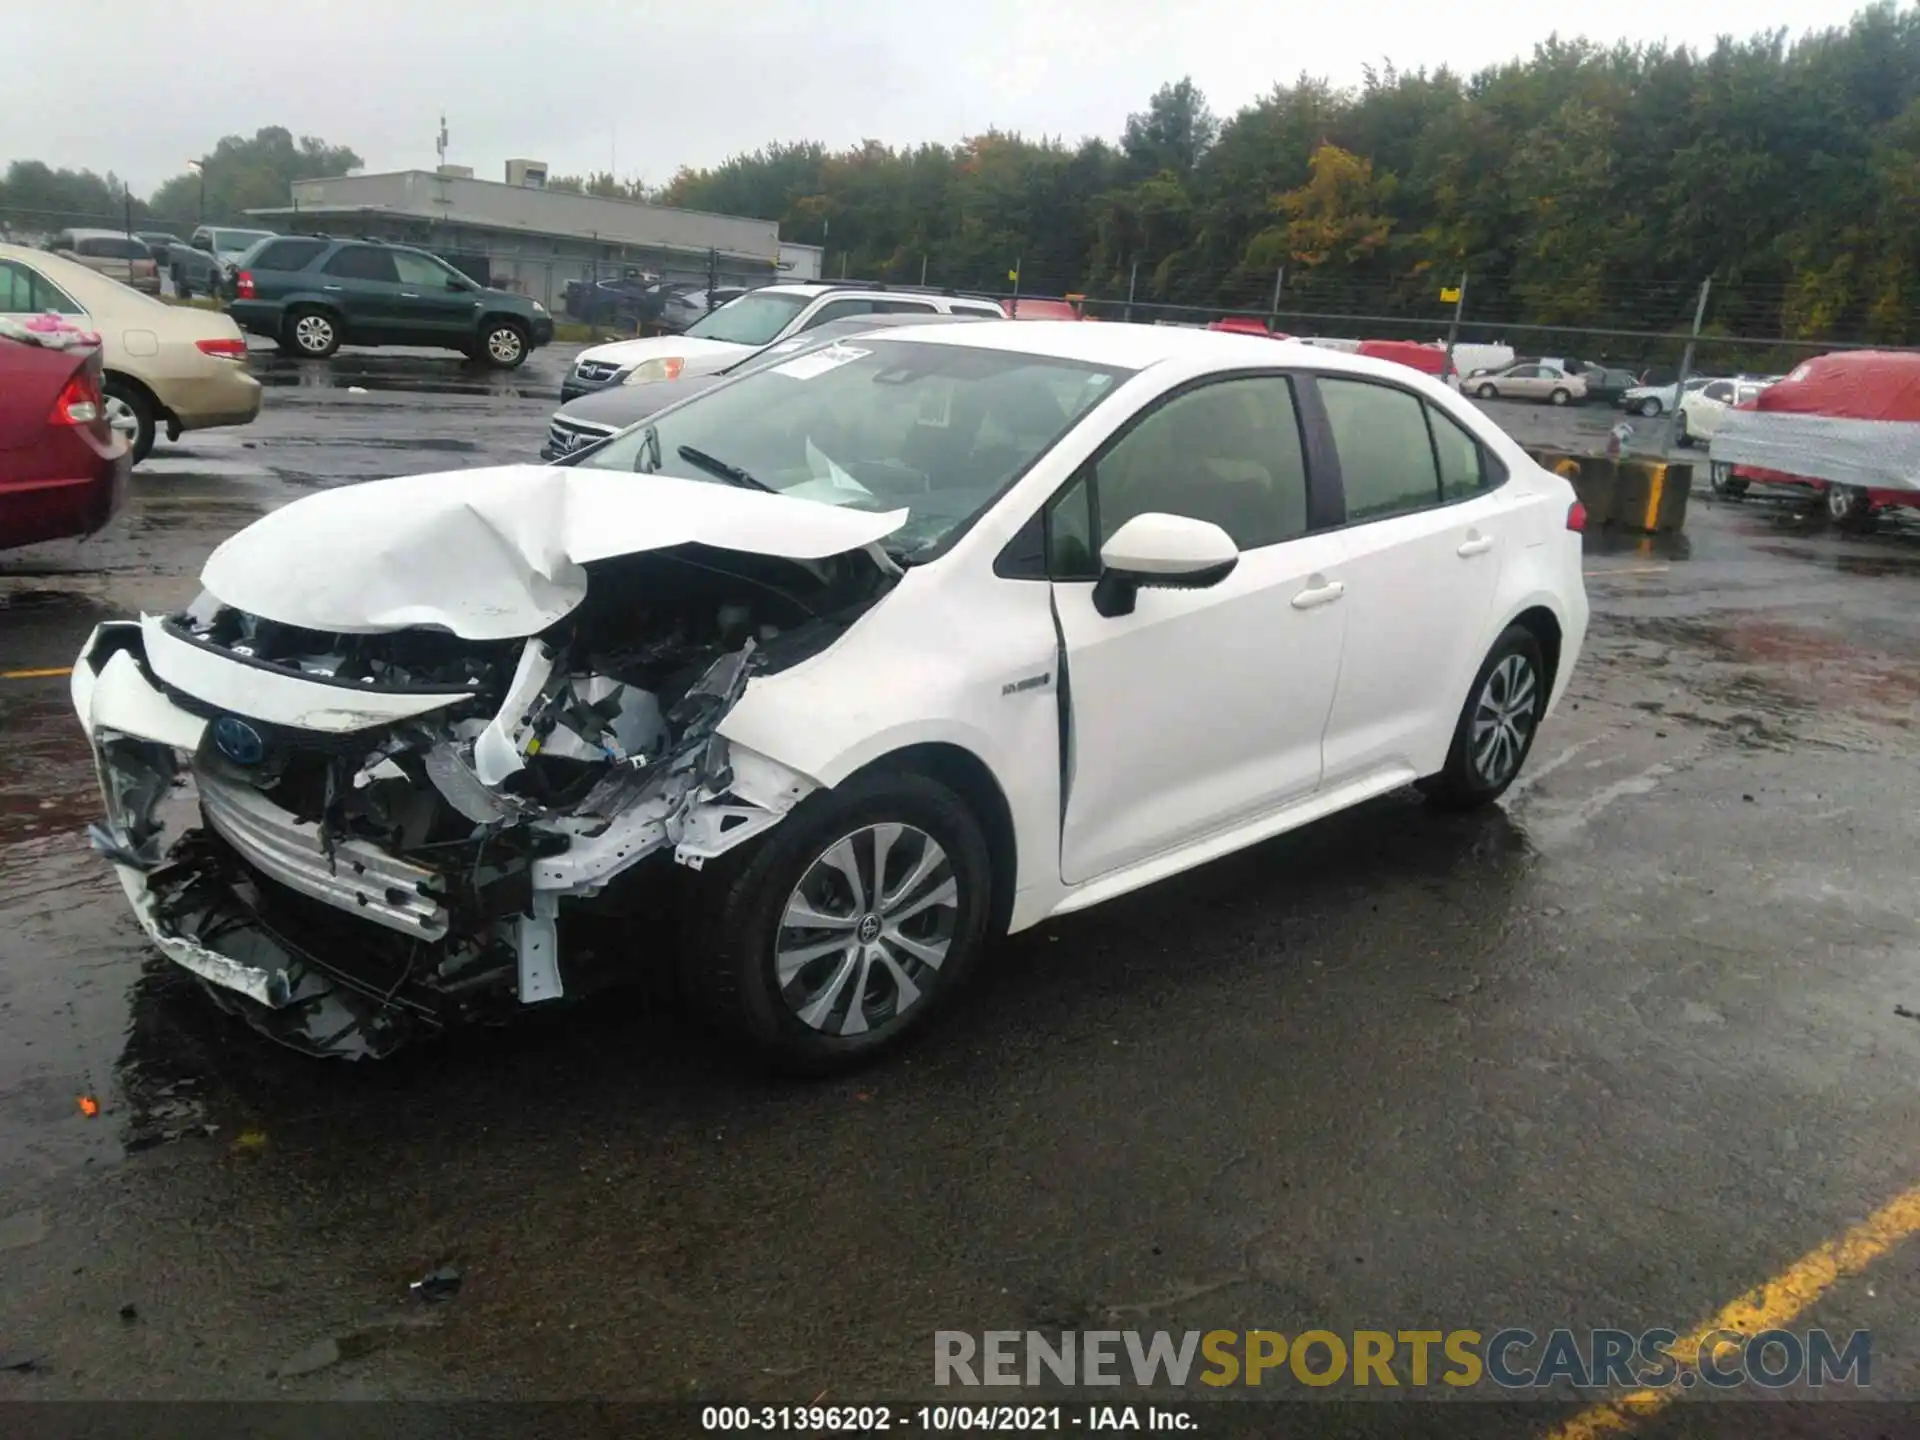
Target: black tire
{"points": [[1848, 506], [118, 392], [182, 287], [1723, 482], [1560, 396], [1650, 406], [310, 332], [740, 901], [1682, 437], [1467, 782], [504, 344], [1486, 392]]}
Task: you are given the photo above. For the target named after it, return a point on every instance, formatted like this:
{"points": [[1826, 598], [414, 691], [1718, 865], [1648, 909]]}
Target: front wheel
{"points": [[848, 927], [1650, 406], [1486, 392], [1560, 396], [504, 346], [1848, 506], [1495, 730]]}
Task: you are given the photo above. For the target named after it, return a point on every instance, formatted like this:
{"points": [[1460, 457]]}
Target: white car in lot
{"points": [[1700, 410], [862, 658], [743, 325]]}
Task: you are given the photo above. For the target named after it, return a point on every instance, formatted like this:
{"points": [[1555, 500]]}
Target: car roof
{"points": [[1135, 347], [100, 234]]}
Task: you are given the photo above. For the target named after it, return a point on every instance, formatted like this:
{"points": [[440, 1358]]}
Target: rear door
{"points": [[362, 281], [1428, 526], [432, 306]]}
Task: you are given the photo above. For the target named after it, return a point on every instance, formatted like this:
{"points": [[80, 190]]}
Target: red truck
{"points": [[63, 470]]}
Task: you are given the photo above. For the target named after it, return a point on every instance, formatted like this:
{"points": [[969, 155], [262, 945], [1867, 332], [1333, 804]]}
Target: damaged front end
{"points": [[399, 830]]}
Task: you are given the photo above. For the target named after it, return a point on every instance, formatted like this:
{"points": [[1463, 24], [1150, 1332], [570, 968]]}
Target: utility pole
{"points": [[1133, 278], [713, 275], [1014, 311], [923, 269], [1453, 325], [1273, 310], [1686, 363]]}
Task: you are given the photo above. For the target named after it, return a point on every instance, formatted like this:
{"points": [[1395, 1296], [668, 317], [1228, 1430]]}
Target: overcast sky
{"points": [[645, 86]]}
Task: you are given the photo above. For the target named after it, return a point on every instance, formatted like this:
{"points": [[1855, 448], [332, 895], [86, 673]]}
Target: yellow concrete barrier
{"points": [[1649, 496]]}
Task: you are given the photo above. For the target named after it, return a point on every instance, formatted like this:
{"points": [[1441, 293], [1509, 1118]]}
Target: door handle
{"points": [[329, 287], [1323, 593], [409, 294], [1475, 545]]}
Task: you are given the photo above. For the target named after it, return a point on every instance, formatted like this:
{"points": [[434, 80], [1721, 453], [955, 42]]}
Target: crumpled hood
{"points": [[498, 553], [702, 356]]}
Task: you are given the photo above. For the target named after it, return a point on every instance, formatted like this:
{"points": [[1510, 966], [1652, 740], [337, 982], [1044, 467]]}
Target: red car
{"points": [[1427, 359], [1245, 325], [63, 471]]}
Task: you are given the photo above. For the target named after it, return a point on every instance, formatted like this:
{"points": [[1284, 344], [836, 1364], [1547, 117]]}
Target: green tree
{"points": [[250, 174]]}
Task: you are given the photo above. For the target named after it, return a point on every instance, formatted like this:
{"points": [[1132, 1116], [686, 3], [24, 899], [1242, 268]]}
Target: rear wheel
{"points": [[1723, 482], [182, 287], [1486, 392], [848, 927], [130, 413], [1496, 727], [1560, 396], [1650, 406], [310, 333]]}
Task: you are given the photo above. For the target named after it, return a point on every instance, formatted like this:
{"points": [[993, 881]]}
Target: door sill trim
{"points": [[1167, 863]]}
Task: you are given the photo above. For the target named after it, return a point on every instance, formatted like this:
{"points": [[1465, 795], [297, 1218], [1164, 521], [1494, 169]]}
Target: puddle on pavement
{"points": [[406, 375], [1873, 566], [1605, 540]]}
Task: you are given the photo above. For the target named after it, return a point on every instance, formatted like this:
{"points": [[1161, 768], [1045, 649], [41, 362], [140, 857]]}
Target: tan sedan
{"points": [[1527, 381], [166, 365]]}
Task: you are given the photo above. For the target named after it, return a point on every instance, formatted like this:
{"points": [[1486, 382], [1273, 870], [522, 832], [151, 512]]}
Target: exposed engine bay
{"points": [[349, 883]]}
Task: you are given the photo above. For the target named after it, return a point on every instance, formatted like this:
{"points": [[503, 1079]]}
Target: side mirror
{"points": [[1164, 552]]}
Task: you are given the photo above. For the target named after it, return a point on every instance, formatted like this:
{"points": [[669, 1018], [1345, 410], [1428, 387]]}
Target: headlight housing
{"points": [[648, 371], [538, 308]]}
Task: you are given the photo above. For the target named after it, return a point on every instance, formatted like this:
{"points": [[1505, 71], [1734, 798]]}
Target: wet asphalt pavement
{"points": [[1607, 1054]]}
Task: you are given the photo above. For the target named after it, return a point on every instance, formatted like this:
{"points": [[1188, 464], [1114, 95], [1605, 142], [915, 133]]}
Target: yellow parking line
{"points": [[1656, 487], [1767, 1306], [36, 674]]}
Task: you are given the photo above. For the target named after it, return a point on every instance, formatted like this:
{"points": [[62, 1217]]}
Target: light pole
{"points": [[201, 170]]}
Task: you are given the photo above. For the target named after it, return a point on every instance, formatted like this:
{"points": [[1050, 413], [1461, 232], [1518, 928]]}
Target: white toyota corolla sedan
{"points": [[812, 683]]}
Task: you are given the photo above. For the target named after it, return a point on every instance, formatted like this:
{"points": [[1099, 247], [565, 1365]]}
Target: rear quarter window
{"points": [[289, 254]]}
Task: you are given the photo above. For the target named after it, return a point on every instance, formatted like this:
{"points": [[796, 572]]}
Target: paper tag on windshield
{"points": [[819, 362]]}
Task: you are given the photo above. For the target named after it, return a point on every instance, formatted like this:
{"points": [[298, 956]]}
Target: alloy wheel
{"points": [[865, 932], [313, 333], [504, 345], [1503, 719], [121, 417]]}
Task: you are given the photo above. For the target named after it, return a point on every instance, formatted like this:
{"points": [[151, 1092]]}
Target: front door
{"points": [[428, 310], [1201, 709], [1427, 532]]}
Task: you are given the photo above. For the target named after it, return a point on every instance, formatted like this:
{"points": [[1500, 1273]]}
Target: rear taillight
{"points": [[235, 349], [243, 285], [78, 403], [1576, 517]]}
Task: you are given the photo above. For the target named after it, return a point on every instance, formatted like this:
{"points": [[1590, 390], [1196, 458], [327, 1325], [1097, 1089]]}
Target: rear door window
{"points": [[1386, 458], [28, 292], [419, 270], [364, 262]]}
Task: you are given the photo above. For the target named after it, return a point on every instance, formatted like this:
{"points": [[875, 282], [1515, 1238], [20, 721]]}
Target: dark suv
{"points": [[314, 294]]}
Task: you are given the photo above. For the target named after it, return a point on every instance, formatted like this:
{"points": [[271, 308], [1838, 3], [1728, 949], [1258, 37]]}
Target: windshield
{"points": [[751, 320], [938, 430]]}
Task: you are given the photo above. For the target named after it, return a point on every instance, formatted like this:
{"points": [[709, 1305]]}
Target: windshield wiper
{"points": [[649, 451], [713, 465]]}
